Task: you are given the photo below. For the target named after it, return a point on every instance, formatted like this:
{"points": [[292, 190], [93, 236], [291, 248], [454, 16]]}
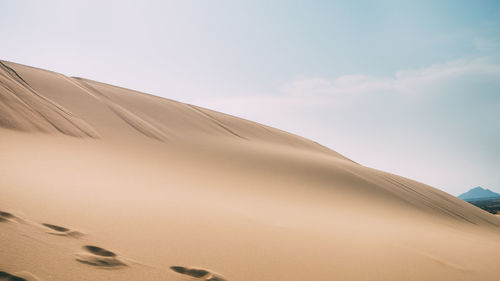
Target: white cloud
{"points": [[403, 81], [355, 91]]}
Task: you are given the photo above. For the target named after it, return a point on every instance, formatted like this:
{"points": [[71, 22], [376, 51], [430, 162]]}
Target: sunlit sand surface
{"points": [[99, 182]]}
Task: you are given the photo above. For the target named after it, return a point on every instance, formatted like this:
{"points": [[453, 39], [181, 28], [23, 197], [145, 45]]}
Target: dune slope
{"points": [[99, 182]]}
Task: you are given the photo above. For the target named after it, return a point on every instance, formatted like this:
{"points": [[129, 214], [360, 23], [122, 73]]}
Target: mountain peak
{"points": [[478, 192]]}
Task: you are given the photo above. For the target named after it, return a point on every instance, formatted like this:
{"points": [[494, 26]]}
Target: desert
{"points": [[99, 182]]}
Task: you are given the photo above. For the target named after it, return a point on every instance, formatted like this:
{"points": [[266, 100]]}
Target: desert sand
{"points": [[99, 182]]}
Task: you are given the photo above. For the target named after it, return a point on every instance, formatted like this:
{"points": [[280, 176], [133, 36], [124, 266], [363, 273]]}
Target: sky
{"points": [[408, 87]]}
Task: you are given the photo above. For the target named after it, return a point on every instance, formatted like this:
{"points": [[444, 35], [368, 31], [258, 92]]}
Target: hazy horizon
{"points": [[410, 89]]}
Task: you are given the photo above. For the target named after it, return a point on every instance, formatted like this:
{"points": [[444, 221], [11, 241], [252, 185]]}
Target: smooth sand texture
{"points": [[98, 182]]}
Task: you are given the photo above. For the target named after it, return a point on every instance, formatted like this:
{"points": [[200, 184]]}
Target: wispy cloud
{"points": [[455, 81], [404, 81]]}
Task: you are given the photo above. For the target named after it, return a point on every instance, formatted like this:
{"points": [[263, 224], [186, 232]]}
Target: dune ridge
{"points": [[24, 109], [99, 182]]}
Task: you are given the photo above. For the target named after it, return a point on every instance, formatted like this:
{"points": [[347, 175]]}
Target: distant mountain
{"points": [[478, 193]]}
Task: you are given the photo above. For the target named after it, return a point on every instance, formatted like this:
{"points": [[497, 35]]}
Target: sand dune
{"points": [[99, 182]]}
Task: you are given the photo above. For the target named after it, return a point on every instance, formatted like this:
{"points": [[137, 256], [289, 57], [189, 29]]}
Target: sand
{"points": [[99, 182]]}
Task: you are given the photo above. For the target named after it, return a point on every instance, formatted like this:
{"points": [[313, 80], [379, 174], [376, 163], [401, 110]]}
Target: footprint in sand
{"points": [[200, 274], [4, 276], [62, 231], [22, 276], [7, 217], [100, 257]]}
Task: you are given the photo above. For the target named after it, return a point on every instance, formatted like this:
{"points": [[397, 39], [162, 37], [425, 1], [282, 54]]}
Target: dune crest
{"points": [[23, 108], [136, 122]]}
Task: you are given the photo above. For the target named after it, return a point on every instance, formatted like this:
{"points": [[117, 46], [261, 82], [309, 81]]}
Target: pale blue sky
{"points": [[410, 87]]}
